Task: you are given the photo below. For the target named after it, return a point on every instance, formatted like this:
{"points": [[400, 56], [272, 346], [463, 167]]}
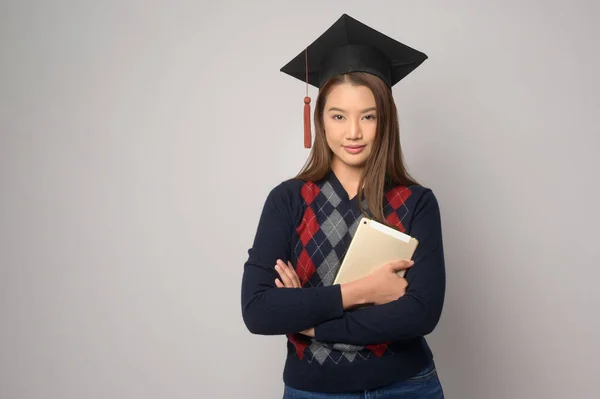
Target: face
{"points": [[350, 122]]}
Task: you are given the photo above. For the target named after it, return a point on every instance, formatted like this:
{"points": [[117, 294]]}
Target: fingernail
{"points": [[277, 267]]}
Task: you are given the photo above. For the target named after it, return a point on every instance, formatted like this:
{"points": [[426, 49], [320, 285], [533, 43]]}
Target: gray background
{"points": [[139, 140]]}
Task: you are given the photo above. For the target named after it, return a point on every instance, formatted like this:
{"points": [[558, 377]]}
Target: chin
{"points": [[352, 161], [355, 163]]}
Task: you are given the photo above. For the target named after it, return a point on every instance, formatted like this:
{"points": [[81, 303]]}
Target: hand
{"points": [[309, 333], [287, 276], [290, 280], [384, 285], [381, 286]]}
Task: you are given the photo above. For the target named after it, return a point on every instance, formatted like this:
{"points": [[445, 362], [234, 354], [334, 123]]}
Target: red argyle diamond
{"points": [[378, 349], [393, 220], [299, 344], [305, 267], [397, 196], [309, 192], [308, 227]]}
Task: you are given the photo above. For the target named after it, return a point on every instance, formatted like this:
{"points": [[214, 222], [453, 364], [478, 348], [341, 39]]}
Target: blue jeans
{"points": [[425, 385]]}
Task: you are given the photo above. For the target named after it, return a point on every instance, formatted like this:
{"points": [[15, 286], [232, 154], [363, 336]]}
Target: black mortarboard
{"points": [[351, 46]]}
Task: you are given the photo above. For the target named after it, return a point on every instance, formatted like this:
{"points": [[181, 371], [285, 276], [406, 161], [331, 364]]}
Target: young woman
{"points": [[363, 339]]}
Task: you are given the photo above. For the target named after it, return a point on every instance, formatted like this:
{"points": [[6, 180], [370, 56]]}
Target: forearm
{"points": [[268, 310], [405, 318], [414, 314], [354, 294]]}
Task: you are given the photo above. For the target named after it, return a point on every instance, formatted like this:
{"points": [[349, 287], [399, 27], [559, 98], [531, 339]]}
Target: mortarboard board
{"points": [[351, 46]]}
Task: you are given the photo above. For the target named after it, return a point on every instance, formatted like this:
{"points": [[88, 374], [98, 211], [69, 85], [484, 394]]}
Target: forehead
{"points": [[346, 95]]}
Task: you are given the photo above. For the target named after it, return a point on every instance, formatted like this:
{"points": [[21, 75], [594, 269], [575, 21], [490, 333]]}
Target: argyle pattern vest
{"points": [[328, 224]]}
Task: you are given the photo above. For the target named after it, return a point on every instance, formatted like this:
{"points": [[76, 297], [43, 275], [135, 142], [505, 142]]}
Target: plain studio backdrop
{"points": [[139, 140]]}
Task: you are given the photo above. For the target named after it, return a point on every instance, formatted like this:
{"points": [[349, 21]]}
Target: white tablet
{"points": [[373, 245]]}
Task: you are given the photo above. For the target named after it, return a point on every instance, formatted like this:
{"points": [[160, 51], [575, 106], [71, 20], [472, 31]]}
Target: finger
{"points": [[295, 274], [285, 279], [279, 284], [309, 332], [288, 271], [401, 265]]}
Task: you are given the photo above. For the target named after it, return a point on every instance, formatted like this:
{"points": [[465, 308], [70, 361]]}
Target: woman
{"points": [[365, 338]]}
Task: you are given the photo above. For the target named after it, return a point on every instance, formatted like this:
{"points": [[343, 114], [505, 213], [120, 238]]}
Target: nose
{"points": [[354, 131]]}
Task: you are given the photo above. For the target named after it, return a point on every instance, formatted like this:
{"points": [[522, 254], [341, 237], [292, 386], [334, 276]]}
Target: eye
{"points": [[370, 117], [338, 117]]}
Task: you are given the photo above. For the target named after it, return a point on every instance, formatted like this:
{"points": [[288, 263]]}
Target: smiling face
{"points": [[350, 124], [338, 130]]}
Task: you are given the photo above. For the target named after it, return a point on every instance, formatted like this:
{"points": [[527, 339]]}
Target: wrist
{"points": [[355, 293]]}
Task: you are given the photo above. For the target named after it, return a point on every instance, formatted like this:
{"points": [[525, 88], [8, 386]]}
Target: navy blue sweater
{"points": [[311, 224]]}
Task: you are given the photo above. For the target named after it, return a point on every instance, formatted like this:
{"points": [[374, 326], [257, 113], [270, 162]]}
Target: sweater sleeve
{"points": [[418, 311], [269, 310]]}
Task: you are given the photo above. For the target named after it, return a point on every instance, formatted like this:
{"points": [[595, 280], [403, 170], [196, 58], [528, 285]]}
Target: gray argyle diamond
{"points": [[330, 194], [328, 269], [320, 352], [334, 227]]}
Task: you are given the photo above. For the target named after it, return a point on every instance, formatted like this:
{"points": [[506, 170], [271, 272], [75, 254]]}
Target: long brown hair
{"points": [[385, 163]]}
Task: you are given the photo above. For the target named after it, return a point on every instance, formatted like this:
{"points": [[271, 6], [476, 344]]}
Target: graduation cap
{"points": [[351, 46]]}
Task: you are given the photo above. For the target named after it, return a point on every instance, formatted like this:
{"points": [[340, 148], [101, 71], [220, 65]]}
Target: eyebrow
{"points": [[362, 112]]}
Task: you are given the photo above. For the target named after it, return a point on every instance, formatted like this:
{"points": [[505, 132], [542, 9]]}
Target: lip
{"points": [[354, 149]]}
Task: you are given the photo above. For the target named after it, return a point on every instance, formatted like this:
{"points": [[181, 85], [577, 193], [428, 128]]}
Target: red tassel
{"points": [[307, 129], [307, 124]]}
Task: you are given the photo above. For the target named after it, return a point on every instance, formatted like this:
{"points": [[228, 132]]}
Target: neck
{"points": [[349, 176]]}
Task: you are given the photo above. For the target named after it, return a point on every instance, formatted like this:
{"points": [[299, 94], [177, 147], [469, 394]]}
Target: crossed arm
{"points": [[324, 312]]}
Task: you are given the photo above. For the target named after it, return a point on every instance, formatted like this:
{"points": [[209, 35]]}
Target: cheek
{"points": [[370, 132], [333, 131]]}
